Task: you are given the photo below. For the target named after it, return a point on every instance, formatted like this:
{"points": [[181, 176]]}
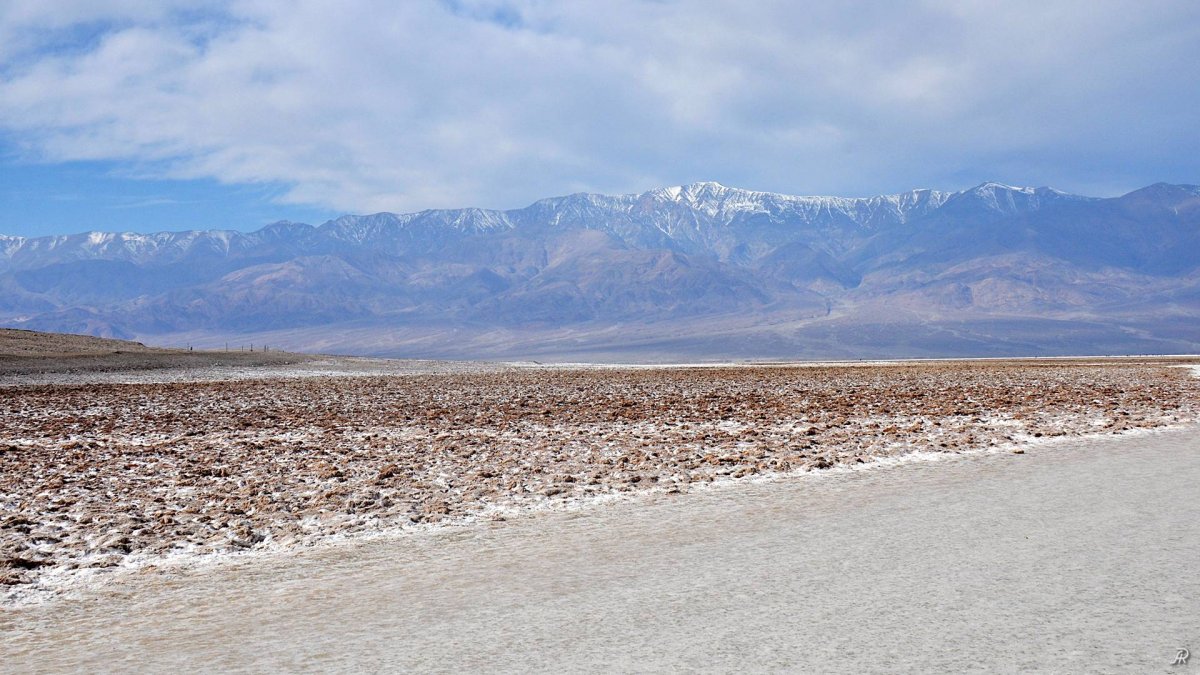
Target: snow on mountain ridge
{"points": [[695, 214], [760, 273], [1008, 199], [357, 229], [719, 201]]}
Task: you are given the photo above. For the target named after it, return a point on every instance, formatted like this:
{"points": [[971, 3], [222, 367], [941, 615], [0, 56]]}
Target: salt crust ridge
{"points": [[70, 584]]}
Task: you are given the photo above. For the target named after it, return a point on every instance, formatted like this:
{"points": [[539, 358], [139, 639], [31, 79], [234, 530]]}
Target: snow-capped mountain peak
{"points": [[693, 260]]}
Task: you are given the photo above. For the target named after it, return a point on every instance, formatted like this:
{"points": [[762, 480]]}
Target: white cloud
{"points": [[365, 106]]}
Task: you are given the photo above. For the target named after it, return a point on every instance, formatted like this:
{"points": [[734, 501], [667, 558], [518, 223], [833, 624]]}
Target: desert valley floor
{"points": [[103, 470], [165, 509]]}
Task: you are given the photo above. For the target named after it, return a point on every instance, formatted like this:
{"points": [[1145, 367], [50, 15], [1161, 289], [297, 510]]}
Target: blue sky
{"points": [[62, 198], [129, 115]]}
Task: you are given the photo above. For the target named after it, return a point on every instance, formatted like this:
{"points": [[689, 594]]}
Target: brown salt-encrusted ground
{"points": [[91, 474]]}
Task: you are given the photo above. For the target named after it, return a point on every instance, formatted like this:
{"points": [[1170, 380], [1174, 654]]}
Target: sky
{"points": [[169, 115]]}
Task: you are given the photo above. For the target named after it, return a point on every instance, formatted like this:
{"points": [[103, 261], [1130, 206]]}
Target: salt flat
{"points": [[1078, 556], [96, 478]]}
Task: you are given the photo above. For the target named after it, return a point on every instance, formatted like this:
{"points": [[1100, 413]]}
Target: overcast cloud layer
{"points": [[398, 106]]}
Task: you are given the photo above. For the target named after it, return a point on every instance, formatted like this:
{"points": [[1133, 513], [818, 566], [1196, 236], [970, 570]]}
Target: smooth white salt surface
{"points": [[1078, 557]]}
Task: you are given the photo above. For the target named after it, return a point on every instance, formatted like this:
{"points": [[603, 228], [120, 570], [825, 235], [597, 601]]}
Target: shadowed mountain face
{"points": [[698, 271]]}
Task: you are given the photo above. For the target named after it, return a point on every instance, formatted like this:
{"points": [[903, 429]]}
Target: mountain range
{"points": [[701, 271]]}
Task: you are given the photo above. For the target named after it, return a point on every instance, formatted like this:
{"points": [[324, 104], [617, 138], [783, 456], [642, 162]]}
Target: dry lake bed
{"points": [[349, 515]]}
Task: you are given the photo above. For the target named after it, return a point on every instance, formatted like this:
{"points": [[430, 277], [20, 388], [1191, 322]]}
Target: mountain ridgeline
{"points": [[698, 271]]}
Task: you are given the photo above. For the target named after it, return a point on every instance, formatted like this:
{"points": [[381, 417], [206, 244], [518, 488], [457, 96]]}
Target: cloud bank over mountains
{"points": [[378, 106]]}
